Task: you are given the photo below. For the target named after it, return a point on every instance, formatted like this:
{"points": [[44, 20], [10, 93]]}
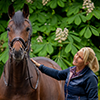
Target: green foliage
{"points": [[83, 29]]}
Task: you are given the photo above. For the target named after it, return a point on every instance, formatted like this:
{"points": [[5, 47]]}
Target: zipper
{"points": [[79, 98], [70, 75]]}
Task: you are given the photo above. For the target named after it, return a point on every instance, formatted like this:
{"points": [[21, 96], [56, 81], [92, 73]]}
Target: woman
{"points": [[81, 82]]}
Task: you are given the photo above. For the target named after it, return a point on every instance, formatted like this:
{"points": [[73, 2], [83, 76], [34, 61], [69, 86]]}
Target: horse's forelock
{"points": [[18, 18]]}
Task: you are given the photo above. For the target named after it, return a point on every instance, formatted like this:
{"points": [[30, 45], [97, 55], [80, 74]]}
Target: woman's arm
{"points": [[57, 74]]}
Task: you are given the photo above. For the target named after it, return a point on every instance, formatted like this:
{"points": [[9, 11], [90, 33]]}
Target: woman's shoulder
{"points": [[90, 74]]}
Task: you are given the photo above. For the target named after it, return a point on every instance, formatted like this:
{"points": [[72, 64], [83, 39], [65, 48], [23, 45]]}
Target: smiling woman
{"points": [[81, 82]]}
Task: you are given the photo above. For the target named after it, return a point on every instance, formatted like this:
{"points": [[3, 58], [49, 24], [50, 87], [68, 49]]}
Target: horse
{"points": [[21, 79]]}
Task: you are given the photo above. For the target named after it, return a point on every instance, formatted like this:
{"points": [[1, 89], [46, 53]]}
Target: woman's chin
{"points": [[74, 63]]}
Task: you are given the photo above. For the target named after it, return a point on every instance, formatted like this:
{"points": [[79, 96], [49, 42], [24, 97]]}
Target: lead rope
{"points": [[7, 84], [32, 77]]}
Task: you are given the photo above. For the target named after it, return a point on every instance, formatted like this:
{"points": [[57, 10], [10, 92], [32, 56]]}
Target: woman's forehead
{"points": [[80, 52]]}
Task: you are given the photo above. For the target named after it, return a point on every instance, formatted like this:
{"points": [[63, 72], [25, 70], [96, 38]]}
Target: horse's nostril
{"points": [[17, 54]]}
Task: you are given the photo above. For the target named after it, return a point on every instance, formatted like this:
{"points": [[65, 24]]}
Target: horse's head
{"points": [[19, 31]]}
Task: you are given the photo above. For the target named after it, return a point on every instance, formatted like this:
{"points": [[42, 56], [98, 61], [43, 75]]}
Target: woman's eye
{"points": [[76, 53], [27, 29], [81, 58], [8, 29]]}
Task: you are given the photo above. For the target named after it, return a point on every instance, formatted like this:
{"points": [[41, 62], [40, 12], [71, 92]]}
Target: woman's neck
{"points": [[79, 68]]}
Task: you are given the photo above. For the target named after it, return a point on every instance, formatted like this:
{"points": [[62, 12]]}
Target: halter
{"points": [[20, 39], [25, 50]]}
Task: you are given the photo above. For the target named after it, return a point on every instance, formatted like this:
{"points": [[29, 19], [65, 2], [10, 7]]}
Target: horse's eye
{"points": [[27, 29], [8, 29]]}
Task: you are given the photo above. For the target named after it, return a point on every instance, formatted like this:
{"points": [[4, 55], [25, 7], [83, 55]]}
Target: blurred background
{"points": [[59, 29]]}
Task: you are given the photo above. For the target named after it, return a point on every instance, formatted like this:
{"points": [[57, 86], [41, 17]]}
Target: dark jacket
{"points": [[82, 87]]}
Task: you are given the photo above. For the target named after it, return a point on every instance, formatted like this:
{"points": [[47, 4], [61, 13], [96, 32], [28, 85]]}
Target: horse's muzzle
{"points": [[18, 55], [17, 48]]}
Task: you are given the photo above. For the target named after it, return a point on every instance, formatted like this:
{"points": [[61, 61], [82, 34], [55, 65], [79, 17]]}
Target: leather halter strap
{"points": [[20, 39]]}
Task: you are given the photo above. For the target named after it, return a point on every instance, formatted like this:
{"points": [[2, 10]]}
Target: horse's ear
{"points": [[11, 11], [26, 11]]}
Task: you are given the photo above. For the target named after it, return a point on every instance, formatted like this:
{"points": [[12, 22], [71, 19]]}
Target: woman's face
{"points": [[78, 59]]}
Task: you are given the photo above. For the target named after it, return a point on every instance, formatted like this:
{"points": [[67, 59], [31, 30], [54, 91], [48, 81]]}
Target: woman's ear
{"points": [[87, 63], [11, 11]]}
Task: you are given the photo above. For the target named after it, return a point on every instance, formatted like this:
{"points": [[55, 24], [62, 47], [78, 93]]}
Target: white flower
{"points": [[44, 2], [59, 41], [39, 39], [89, 5], [61, 35], [45, 24]]}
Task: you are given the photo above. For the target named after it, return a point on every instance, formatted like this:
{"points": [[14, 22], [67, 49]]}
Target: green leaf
{"points": [[76, 38], [5, 44], [70, 38], [53, 3], [4, 56], [35, 28], [74, 50], [41, 18], [89, 16], [61, 63], [70, 19], [83, 18], [49, 48], [96, 14], [3, 36], [43, 51], [77, 20], [97, 52], [68, 48], [67, 62], [74, 9], [4, 4], [78, 45], [30, 10], [39, 5], [95, 32], [53, 20], [64, 0], [60, 3], [82, 31], [38, 48], [42, 28], [3, 23], [33, 17], [1, 67], [2, 28], [87, 33]]}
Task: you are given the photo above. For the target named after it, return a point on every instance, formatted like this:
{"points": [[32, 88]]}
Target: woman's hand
{"points": [[37, 64]]}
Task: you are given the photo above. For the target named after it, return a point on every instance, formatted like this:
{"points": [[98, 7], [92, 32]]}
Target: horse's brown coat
{"points": [[16, 69]]}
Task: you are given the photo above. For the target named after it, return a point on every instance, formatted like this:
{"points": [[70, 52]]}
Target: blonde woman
{"points": [[80, 80]]}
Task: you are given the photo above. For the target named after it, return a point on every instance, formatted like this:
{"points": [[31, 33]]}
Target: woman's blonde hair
{"points": [[90, 58]]}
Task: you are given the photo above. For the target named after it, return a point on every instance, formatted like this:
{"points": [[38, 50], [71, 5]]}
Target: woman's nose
{"points": [[76, 56]]}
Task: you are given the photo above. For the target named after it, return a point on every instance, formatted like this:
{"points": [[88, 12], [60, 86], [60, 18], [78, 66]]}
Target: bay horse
{"points": [[21, 79]]}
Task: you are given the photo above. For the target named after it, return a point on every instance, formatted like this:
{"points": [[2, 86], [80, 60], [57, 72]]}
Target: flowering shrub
{"points": [[59, 28], [61, 35], [89, 5]]}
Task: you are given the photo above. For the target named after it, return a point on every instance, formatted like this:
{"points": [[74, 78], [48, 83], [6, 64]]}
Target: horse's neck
{"points": [[16, 73]]}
